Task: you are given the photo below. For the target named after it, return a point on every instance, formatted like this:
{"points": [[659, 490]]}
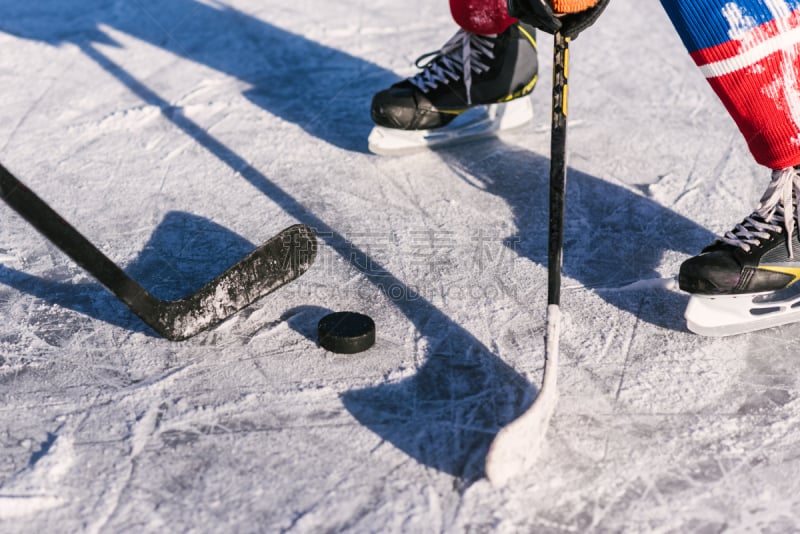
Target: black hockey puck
{"points": [[346, 332]]}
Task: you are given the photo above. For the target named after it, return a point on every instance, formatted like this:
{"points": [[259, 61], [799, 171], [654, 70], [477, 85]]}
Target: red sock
{"points": [[749, 51], [483, 17]]}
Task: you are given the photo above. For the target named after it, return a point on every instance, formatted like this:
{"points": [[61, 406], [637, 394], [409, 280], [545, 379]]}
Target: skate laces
{"points": [[447, 64], [771, 213]]}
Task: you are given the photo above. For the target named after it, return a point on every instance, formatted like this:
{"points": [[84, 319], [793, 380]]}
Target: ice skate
{"points": [[472, 87], [747, 279]]}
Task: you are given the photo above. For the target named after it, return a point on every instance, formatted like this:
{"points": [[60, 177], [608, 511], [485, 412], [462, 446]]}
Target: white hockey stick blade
{"points": [[719, 316], [517, 446], [480, 121]]}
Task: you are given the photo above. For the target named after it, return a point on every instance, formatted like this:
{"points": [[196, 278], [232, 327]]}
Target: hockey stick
{"points": [[518, 444], [275, 263]]}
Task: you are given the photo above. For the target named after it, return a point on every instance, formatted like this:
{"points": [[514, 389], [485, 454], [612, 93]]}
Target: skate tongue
{"points": [[777, 205], [446, 65], [778, 201]]}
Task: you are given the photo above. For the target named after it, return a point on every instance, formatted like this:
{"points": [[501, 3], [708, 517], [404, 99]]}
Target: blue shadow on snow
{"points": [[323, 90], [614, 236]]}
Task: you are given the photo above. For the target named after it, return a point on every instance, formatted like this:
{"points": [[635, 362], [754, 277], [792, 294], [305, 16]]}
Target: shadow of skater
{"points": [[448, 413], [323, 90], [183, 254], [613, 236]]}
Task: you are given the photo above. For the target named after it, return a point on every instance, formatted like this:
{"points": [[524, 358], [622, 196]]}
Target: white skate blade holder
{"points": [[476, 122], [727, 315]]}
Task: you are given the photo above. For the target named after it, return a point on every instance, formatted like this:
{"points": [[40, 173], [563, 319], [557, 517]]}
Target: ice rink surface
{"points": [[178, 134]]}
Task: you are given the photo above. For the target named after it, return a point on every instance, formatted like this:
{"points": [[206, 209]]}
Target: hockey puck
{"points": [[346, 332]]}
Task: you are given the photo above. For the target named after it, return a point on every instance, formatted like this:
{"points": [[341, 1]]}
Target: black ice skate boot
{"points": [[470, 71], [747, 279]]}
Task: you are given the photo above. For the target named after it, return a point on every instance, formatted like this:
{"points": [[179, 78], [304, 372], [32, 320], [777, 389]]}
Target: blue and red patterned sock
{"points": [[749, 51]]}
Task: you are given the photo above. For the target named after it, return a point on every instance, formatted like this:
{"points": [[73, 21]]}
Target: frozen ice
{"points": [[177, 134]]}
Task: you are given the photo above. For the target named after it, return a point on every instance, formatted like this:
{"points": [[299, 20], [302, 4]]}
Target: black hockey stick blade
{"points": [[517, 446], [275, 263]]}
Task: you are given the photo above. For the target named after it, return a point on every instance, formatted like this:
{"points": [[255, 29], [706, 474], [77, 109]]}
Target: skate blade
{"points": [[477, 122], [720, 316]]}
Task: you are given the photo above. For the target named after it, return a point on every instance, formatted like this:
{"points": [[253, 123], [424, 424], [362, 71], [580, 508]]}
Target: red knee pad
{"points": [[483, 17]]}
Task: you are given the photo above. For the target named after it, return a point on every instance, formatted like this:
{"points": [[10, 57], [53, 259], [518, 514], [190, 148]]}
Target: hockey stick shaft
{"points": [[63, 235], [558, 168], [519, 443]]}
